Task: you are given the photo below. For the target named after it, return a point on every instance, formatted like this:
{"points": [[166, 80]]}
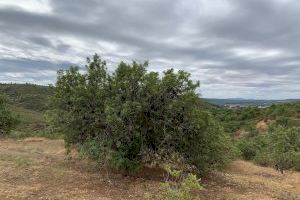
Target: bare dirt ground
{"points": [[37, 168], [246, 181]]}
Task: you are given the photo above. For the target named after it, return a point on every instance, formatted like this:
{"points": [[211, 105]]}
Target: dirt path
{"points": [[36, 168]]}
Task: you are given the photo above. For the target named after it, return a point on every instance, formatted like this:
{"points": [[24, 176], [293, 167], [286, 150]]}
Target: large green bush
{"points": [[131, 116], [285, 147], [7, 121]]}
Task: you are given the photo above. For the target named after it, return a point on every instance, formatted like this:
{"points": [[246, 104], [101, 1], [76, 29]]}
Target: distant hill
{"points": [[248, 102], [29, 96], [35, 97], [28, 103]]}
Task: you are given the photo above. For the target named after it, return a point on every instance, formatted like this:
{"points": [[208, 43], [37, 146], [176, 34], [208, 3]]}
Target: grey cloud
{"points": [[28, 65], [169, 34], [260, 23], [40, 41], [44, 42]]}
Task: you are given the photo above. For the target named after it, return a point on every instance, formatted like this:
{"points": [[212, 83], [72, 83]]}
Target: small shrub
{"points": [[248, 150], [283, 121], [263, 159], [90, 149], [178, 187]]}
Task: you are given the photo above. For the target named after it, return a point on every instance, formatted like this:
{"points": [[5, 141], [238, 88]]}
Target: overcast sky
{"points": [[236, 48]]}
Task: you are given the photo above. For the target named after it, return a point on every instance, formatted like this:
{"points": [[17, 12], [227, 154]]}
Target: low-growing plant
{"points": [[263, 158], [178, 186], [19, 161]]}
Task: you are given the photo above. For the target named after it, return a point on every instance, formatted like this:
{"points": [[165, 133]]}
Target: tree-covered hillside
{"points": [[29, 96], [248, 102], [28, 104], [247, 118]]}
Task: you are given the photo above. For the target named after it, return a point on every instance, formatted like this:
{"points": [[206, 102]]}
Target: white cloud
{"points": [[256, 53], [36, 6]]}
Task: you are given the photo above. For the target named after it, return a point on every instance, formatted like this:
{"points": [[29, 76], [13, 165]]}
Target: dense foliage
{"points": [[280, 147], [269, 136], [7, 121], [133, 116]]}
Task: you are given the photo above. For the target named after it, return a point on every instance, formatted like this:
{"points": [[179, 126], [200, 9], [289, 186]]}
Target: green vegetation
{"points": [[235, 119], [7, 120], [29, 120], [27, 104], [19, 161], [246, 118], [178, 186], [28, 96], [132, 116], [280, 148], [277, 144], [30, 124]]}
